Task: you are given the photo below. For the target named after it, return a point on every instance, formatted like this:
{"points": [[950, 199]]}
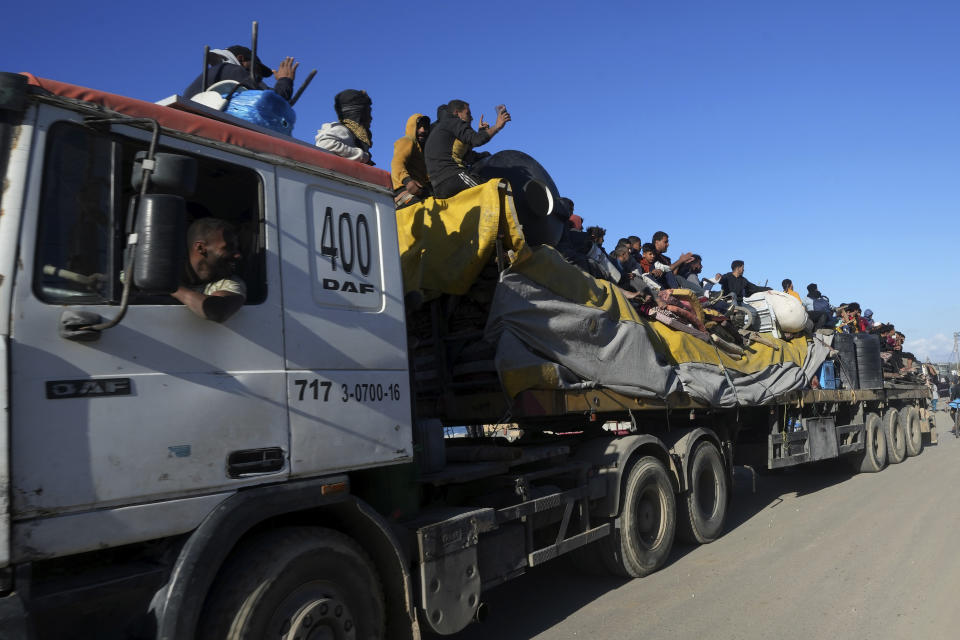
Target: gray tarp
{"points": [[547, 341]]}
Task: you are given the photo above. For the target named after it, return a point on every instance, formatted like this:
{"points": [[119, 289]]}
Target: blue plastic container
{"points": [[828, 375], [264, 108]]}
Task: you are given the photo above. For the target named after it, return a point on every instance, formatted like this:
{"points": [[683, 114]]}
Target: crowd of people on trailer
{"points": [[434, 158]]}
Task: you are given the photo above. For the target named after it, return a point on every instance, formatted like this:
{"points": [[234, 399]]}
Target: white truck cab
{"points": [[140, 431]]}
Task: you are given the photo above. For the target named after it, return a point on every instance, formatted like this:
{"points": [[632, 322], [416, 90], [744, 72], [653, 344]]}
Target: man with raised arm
{"points": [[210, 288], [233, 63], [448, 176]]}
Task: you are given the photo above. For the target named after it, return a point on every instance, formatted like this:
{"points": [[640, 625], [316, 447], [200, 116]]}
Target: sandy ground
{"points": [[815, 553]]}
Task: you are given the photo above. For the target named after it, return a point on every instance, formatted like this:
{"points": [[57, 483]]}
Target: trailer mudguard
{"points": [[613, 456], [681, 443]]}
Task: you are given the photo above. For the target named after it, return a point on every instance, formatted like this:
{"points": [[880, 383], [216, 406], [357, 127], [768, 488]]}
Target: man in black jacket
{"points": [[444, 162], [233, 63], [735, 282]]}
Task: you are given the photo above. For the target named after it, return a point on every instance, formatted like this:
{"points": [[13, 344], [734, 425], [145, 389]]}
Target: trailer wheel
{"points": [[910, 419], [704, 507], [873, 458], [648, 521], [896, 439], [296, 582]]}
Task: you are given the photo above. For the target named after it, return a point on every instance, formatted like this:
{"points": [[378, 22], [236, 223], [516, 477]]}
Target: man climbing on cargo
{"points": [[350, 136], [734, 282], [447, 174], [233, 63], [211, 289], [408, 169]]}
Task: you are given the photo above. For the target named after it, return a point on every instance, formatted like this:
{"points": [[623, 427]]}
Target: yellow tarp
{"points": [[548, 268], [445, 243], [683, 347]]}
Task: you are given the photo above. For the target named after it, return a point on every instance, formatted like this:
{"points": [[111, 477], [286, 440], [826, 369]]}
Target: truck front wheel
{"points": [[648, 521], [704, 507], [295, 582]]}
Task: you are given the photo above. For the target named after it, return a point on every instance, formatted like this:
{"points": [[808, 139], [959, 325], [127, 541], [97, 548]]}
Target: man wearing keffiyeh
{"points": [[350, 136]]}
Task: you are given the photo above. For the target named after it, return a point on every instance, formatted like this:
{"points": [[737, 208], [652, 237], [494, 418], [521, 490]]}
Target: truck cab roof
{"points": [[191, 123]]}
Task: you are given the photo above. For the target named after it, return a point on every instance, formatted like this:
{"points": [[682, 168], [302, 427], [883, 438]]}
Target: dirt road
{"points": [[817, 553]]}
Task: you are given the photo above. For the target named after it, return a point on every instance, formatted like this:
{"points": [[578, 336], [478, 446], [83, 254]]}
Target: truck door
{"points": [[344, 325], [165, 404]]}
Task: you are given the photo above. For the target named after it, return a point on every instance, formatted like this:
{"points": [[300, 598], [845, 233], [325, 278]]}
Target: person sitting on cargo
{"points": [[850, 321], [463, 154], [575, 244], [210, 288], [572, 243], [661, 242], [350, 136], [408, 168], [574, 222], [657, 275], [448, 174], [734, 282], [601, 265], [623, 261], [688, 277], [233, 63], [818, 308], [867, 320], [653, 276], [787, 285], [628, 264], [636, 248]]}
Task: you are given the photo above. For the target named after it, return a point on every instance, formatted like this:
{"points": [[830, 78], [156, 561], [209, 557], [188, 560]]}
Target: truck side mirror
{"points": [[161, 243]]}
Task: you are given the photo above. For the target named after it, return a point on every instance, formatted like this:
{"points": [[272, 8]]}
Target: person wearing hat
{"points": [[349, 137], [233, 63]]}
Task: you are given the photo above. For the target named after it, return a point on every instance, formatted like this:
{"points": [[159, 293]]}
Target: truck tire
{"points": [[873, 458], [910, 419], [295, 582], [895, 435], [703, 508], [648, 522]]}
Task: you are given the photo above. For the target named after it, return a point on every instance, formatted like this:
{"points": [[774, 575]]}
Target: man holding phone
{"points": [[448, 176]]}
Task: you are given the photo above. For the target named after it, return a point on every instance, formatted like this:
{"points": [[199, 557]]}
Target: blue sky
{"points": [[817, 141]]}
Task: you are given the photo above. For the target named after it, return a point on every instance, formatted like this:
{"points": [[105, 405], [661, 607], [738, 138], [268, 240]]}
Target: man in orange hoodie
{"points": [[408, 168]]}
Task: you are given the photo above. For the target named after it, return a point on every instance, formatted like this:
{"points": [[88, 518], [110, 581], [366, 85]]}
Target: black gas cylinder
{"points": [[869, 363], [847, 360], [536, 197]]}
